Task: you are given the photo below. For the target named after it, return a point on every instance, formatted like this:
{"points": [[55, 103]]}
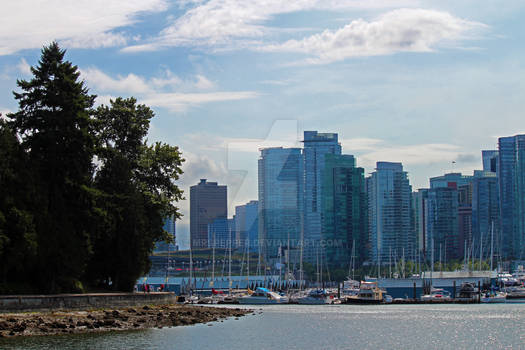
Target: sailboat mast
{"points": [[491, 245]]}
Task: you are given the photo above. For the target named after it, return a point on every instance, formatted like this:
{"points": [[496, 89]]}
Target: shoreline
{"points": [[111, 319]]}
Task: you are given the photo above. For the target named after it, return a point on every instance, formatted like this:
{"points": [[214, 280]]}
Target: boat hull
{"points": [[362, 301]]}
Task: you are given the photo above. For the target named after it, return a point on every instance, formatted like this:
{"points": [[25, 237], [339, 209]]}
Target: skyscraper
{"points": [[490, 160], [344, 211], [316, 146], [442, 223], [511, 176], [246, 225], [420, 212], [280, 183], [389, 211], [208, 201]]}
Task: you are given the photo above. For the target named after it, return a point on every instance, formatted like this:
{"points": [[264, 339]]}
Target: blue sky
{"points": [[420, 82]]}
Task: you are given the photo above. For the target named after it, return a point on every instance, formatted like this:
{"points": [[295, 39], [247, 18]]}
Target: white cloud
{"points": [[179, 102], [402, 30], [168, 91], [24, 67], [28, 24], [237, 23], [131, 83]]}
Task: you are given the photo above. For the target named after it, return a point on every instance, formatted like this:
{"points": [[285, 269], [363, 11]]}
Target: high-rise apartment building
{"points": [[490, 160], [442, 223], [511, 176], [280, 182], [316, 146], [485, 209], [246, 226], [389, 210], [208, 201], [344, 211]]}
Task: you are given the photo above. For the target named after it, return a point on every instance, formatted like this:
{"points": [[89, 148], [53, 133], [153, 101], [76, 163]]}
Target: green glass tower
{"points": [[344, 211]]}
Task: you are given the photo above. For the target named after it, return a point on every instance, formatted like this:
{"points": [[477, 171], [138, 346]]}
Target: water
{"points": [[322, 327]]}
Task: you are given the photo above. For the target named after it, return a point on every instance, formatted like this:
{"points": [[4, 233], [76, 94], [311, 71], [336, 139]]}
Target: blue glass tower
{"points": [[280, 184], [316, 146], [511, 175]]}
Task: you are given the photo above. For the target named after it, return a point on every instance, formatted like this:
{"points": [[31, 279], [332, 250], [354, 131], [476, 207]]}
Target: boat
{"points": [[494, 297], [369, 293], [468, 292], [314, 297], [515, 292], [437, 294], [262, 296]]}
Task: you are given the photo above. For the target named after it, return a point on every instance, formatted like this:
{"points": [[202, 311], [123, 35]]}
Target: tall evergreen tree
{"points": [[17, 231], [137, 192], [54, 124]]}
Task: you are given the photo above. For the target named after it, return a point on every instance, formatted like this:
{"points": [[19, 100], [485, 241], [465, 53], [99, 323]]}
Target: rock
{"points": [[146, 308], [4, 326], [132, 310]]}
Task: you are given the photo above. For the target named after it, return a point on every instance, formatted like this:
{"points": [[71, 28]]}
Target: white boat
{"points": [[515, 292], [262, 296], [494, 297], [314, 297], [436, 294], [369, 293]]}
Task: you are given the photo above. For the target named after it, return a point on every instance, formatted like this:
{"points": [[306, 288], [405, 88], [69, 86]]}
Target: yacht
{"points": [[262, 296], [369, 293], [515, 292], [437, 294], [314, 297]]}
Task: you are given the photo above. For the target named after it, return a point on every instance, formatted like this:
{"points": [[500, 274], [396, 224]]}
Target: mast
{"points": [[390, 262], [480, 249], [191, 271], [353, 259], [230, 261], [432, 262], [213, 262], [491, 245]]}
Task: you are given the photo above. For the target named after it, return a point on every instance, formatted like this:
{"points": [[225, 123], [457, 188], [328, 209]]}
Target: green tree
{"points": [[55, 128], [17, 231], [136, 193]]}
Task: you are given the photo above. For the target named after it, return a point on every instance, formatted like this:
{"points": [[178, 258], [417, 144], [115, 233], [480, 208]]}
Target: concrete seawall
{"points": [[18, 303]]}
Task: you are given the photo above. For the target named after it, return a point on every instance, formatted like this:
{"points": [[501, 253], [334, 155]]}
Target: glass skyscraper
{"points": [[316, 146], [344, 211], [442, 223], [246, 225], [389, 209], [485, 208], [280, 181], [511, 176]]}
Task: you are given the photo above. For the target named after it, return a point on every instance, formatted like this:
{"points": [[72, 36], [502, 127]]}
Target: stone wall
{"points": [[17, 303]]}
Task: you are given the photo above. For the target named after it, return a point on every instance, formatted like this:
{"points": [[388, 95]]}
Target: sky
{"points": [[426, 83]]}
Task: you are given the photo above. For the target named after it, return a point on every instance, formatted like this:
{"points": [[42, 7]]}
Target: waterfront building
{"points": [[280, 186], [511, 176], [451, 178], [171, 228], [389, 211], [344, 211], [246, 226], [316, 146], [442, 223], [490, 160], [208, 201], [221, 233], [419, 212], [485, 207]]}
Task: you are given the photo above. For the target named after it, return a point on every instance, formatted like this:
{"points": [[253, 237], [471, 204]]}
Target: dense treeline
{"points": [[82, 194]]}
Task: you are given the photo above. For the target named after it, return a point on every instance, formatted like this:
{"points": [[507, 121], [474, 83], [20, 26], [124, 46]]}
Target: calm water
{"points": [[322, 327]]}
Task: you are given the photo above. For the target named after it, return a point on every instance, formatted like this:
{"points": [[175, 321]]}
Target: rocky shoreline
{"points": [[66, 322]]}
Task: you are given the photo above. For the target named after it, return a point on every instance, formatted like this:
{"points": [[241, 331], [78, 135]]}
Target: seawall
{"points": [[18, 303]]}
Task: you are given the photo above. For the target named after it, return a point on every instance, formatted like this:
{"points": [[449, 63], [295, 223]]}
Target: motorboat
{"points": [[515, 292], [437, 294], [369, 293], [314, 297], [494, 297], [262, 296]]}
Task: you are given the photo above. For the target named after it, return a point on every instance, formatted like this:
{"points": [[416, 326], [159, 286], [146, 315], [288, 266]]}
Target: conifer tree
{"points": [[55, 127]]}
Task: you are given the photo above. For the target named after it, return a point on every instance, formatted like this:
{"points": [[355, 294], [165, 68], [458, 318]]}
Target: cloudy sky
{"points": [[420, 82]]}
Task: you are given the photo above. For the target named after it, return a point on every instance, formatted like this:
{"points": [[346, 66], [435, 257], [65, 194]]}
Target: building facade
{"points": [[247, 226], [511, 176], [442, 223], [344, 212], [316, 146], [389, 210], [208, 201], [280, 186]]}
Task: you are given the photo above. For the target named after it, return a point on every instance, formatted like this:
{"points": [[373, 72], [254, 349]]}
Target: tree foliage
{"points": [[85, 195]]}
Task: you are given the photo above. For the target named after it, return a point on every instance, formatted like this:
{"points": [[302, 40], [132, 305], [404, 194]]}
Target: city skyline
{"points": [[219, 84]]}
